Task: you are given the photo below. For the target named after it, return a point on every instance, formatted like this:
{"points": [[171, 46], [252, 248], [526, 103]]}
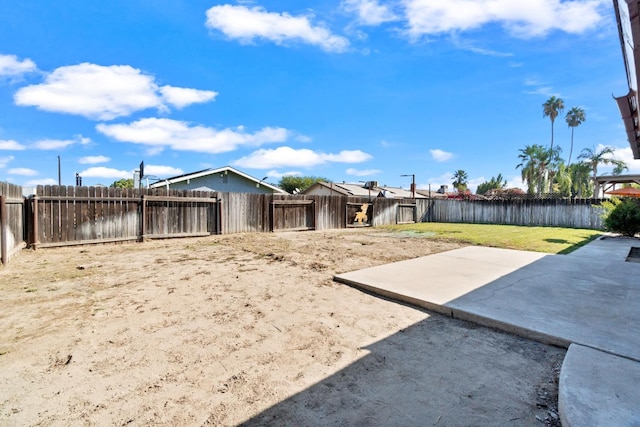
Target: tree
{"points": [[575, 117], [551, 109], [460, 179], [496, 183], [122, 183], [562, 182], [553, 166], [533, 162], [595, 158], [296, 184], [619, 169], [580, 180]]}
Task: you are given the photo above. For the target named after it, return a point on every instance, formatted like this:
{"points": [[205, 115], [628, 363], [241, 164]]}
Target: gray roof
{"points": [[359, 190], [206, 172]]}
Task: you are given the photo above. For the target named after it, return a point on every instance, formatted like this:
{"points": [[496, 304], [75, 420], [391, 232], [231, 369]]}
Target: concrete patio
{"points": [[588, 301]]}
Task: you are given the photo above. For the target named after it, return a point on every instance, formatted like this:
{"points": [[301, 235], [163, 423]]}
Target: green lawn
{"points": [[552, 240]]}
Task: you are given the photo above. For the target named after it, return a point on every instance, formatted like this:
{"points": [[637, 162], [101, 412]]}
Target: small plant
{"points": [[624, 218]]}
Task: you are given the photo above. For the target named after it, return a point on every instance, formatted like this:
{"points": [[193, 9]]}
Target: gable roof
{"points": [[207, 172], [359, 190]]}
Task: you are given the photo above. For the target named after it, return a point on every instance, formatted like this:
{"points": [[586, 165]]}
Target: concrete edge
{"points": [[457, 314], [598, 388], [394, 296]]}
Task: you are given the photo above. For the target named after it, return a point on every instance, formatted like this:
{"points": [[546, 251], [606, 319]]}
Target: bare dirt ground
{"points": [[250, 329]]}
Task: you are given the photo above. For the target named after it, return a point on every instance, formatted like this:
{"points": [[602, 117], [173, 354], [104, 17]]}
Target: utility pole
{"points": [[59, 173], [413, 184]]}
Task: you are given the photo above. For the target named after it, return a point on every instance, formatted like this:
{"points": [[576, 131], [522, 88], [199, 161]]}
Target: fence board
{"points": [[80, 215], [578, 213], [12, 221]]}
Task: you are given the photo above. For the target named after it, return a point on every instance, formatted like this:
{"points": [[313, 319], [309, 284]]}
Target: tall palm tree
{"points": [[595, 158], [551, 109], [460, 179], [533, 162], [575, 117]]}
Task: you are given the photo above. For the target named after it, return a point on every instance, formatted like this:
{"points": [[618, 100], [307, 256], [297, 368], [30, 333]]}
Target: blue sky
{"points": [[352, 90]]}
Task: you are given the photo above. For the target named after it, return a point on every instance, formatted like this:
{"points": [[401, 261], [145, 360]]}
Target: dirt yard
{"points": [[250, 329]]}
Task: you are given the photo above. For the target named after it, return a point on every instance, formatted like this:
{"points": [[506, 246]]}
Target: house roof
{"points": [[629, 32], [207, 172], [358, 190]]}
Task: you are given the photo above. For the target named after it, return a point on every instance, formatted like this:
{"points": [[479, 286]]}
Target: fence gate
{"points": [[407, 213], [360, 214], [293, 215]]}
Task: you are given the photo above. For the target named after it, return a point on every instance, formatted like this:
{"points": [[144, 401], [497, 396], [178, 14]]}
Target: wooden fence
{"points": [[576, 213], [242, 212], [12, 221], [60, 216]]}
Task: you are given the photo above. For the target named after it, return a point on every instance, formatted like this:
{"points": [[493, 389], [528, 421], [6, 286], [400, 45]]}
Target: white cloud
{"points": [[362, 172], [290, 157], [23, 172], [516, 182], [444, 179], [53, 144], [440, 155], [369, 12], [540, 88], [180, 97], [11, 145], [246, 24], [104, 92], [162, 171], [625, 154], [92, 160], [179, 135], [103, 172], [42, 181], [470, 47], [4, 161], [472, 184], [11, 66], [524, 19], [276, 174]]}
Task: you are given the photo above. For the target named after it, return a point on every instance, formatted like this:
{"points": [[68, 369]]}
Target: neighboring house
{"points": [[225, 179], [367, 189]]}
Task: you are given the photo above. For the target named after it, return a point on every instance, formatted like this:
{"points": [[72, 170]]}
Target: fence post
{"points": [[3, 229], [34, 222], [219, 216], [143, 219]]}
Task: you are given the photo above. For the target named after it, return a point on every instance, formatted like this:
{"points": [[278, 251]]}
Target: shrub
{"points": [[607, 206], [624, 218]]}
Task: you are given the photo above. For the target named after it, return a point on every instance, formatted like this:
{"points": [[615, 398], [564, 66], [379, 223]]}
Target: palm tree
{"points": [[580, 180], [563, 180], [460, 179], [553, 165], [595, 158], [619, 169], [551, 109], [533, 162], [575, 117]]}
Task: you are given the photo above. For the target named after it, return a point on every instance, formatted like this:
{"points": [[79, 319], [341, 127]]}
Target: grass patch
{"points": [[553, 240]]}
